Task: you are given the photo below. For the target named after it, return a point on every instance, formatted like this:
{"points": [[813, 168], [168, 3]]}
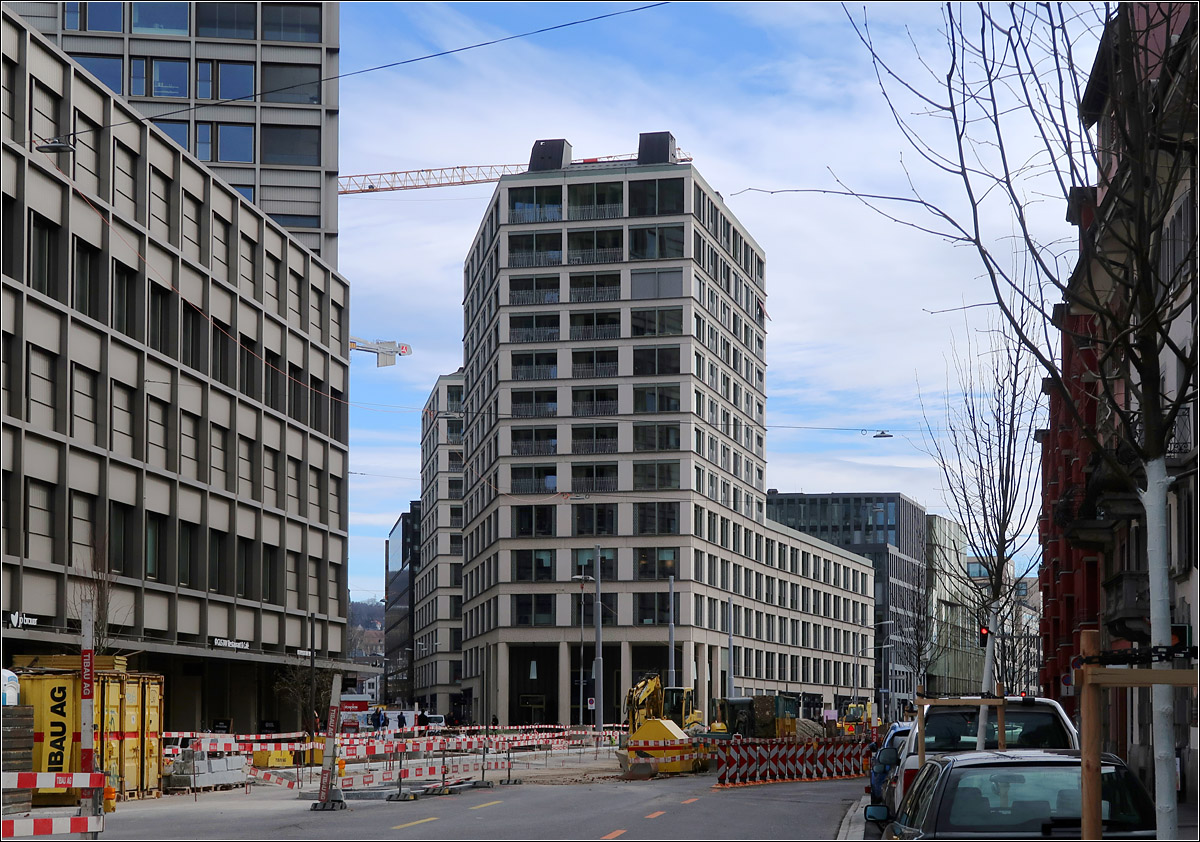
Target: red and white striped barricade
{"points": [[10, 828]]}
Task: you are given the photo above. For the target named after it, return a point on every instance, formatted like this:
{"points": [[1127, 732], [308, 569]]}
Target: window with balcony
{"points": [[533, 327], [533, 290], [599, 246], [532, 565], [600, 362], [591, 326], [537, 403], [656, 243], [600, 286], [585, 440], [656, 518], [537, 365], [594, 478], [534, 479], [591, 402], [534, 441], [600, 200], [660, 398], [534, 204], [656, 197], [535, 249], [594, 519], [655, 361]]}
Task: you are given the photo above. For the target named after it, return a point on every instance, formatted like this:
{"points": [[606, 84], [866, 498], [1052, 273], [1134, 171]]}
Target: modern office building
{"points": [[957, 663], [437, 599], [889, 529], [239, 85], [402, 554], [175, 373], [613, 429]]}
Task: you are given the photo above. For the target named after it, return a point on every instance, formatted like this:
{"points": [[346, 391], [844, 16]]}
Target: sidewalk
{"points": [[853, 825]]}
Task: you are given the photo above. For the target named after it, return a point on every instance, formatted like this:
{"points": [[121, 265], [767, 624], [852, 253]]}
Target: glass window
{"points": [[296, 220], [108, 69], [247, 192], [226, 20], [93, 17], [204, 79], [294, 83], [204, 141], [235, 81], [174, 129], [291, 22], [160, 18], [170, 78], [294, 145], [235, 143], [137, 77]]}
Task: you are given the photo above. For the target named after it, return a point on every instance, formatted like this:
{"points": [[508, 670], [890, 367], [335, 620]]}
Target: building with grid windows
{"points": [[239, 85], [613, 426], [175, 372]]}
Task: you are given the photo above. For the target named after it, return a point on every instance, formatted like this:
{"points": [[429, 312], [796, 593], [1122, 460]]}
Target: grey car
{"points": [[1018, 794]]}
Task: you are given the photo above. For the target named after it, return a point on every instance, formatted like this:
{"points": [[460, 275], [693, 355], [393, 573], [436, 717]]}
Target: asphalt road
{"points": [[683, 807]]}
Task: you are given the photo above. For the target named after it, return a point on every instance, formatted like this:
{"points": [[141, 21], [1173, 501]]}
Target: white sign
{"points": [[225, 643], [591, 702], [17, 620]]}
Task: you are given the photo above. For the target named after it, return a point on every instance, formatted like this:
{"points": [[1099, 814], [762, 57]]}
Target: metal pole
{"points": [[92, 801], [729, 672], [599, 662], [581, 681], [671, 631]]}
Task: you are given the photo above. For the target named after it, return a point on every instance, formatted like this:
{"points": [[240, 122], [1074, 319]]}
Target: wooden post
{"points": [[1089, 741], [1001, 740]]}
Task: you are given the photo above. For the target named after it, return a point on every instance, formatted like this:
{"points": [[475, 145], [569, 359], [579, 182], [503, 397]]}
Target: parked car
{"points": [[437, 722], [880, 771], [1018, 794], [1029, 722]]}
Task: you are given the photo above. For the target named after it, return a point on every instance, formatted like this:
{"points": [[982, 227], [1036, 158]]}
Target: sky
{"points": [[769, 96]]}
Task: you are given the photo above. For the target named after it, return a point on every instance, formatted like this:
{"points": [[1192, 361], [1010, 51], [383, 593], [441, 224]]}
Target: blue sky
{"points": [[770, 96]]}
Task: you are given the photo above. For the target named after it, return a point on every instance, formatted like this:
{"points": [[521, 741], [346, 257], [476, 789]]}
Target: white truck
{"points": [[1029, 722]]}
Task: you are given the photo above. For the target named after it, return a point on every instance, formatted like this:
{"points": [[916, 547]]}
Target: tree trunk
{"points": [[989, 674], [1154, 502]]}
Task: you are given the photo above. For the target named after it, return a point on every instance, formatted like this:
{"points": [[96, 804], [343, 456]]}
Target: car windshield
{"points": [[955, 730], [1038, 798]]}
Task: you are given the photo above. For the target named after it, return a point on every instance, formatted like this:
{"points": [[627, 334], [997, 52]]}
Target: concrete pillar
{"points": [[564, 682], [500, 682], [715, 688], [689, 663], [625, 680]]}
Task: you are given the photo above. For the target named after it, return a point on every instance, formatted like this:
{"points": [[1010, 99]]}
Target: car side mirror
{"points": [[887, 757], [877, 813]]}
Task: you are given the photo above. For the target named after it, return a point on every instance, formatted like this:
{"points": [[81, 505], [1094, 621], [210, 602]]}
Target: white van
{"points": [[436, 722]]}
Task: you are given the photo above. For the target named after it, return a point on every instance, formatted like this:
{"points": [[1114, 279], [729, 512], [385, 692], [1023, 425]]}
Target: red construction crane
{"points": [[449, 176]]}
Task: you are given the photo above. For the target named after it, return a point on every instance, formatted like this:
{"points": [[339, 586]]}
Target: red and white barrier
{"points": [[54, 780], [10, 828], [741, 761]]}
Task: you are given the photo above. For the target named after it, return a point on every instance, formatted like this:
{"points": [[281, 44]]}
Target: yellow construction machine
{"points": [[666, 715]]}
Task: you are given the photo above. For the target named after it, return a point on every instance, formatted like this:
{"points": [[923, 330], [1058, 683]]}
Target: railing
{"points": [[594, 484], [533, 334], [538, 213], [586, 446], [527, 259], [585, 294], [1180, 443], [533, 296], [454, 406], [613, 211], [591, 332], [534, 410], [547, 485], [455, 493], [583, 409], [578, 257], [534, 448], [456, 521], [453, 438], [455, 467], [534, 372], [595, 370], [456, 549]]}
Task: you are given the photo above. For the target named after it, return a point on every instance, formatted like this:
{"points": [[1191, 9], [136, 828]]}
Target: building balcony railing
{"points": [[592, 332], [455, 467], [456, 549], [582, 484], [534, 448], [537, 213], [453, 438], [534, 410], [530, 259], [534, 372], [456, 521], [587, 294], [546, 485], [455, 493], [454, 406], [596, 370], [533, 296], [582, 212], [594, 446], [533, 334], [584, 409], [579, 257]]}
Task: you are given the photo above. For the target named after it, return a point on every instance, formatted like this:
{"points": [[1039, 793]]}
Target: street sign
{"points": [[1067, 679], [591, 702]]}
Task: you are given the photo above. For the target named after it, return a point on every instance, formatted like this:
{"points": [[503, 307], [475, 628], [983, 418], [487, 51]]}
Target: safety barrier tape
{"points": [[49, 827], [270, 778], [54, 780]]}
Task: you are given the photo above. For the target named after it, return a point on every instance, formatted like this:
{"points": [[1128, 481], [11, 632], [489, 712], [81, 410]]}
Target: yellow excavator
{"points": [[666, 715]]}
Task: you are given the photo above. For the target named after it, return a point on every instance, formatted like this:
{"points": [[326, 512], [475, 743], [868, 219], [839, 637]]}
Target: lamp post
{"points": [[581, 580], [885, 690], [598, 664], [856, 655]]}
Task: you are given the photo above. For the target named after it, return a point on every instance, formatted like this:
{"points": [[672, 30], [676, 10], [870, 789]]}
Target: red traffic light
{"points": [[984, 631]]}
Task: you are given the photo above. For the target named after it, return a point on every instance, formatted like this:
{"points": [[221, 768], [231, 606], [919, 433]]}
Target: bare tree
{"points": [[292, 685], [92, 580], [919, 644], [1016, 115]]}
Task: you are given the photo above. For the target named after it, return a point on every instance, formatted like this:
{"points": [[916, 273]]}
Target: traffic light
{"points": [[984, 631]]}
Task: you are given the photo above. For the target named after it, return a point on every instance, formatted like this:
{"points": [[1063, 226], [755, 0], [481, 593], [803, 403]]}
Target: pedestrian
{"points": [[495, 721], [423, 719]]}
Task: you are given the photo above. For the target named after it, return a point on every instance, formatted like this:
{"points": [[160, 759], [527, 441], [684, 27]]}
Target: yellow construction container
{"points": [[54, 698], [110, 694], [129, 770], [152, 710], [273, 759]]}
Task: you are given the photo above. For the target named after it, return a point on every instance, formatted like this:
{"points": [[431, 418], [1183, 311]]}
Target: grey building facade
{"points": [[402, 549]]}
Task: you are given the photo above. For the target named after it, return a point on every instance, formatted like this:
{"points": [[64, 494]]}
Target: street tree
{"points": [[1019, 119]]}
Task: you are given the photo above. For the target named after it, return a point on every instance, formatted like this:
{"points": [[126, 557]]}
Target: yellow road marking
{"points": [[418, 821], [655, 815], [489, 804], [689, 801], [613, 835]]}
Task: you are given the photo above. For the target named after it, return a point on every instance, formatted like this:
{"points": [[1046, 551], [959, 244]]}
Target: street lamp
{"points": [[581, 579], [885, 675], [856, 655], [599, 662]]}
